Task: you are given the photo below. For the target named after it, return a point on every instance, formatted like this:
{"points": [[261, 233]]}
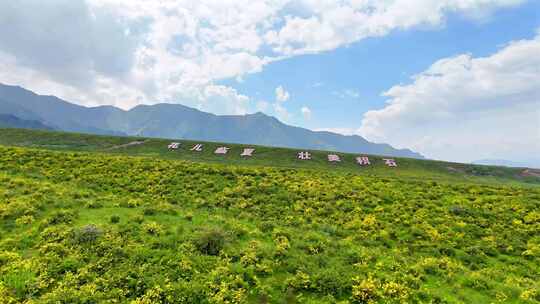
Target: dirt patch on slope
{"points": [[130, 144], [531, 172]]}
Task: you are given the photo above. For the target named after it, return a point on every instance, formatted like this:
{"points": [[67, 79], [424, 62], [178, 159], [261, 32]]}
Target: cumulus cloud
{"points": [[464, 108], [282, 95], [306, 112], [281, 112], [127, 52], [330, 24]]}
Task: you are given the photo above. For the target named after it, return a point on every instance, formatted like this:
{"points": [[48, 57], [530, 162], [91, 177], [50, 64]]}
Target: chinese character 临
{"points": [[304, 155], [390, 162], [333, 158], [363, 160], [221, 150], [247, 152], [197, 147], [174, 146]]}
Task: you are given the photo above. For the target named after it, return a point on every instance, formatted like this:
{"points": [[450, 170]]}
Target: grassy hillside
{"points": [[264, 156], [87, 227]]}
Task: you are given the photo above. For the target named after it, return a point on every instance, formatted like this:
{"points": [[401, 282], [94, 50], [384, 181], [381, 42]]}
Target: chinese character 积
{"points": [[363, 160], [221, 150], [247, 152], [333, 158], [390, 162], [304, 155], [197, 147], [174, 146]]}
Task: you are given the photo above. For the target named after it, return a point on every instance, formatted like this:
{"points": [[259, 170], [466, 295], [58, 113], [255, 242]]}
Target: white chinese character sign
{"points": [[197, 148], [363, 161], [221, 150], [248, 152], [390, 162], [304, 155], [333, 158], [174, 146]]}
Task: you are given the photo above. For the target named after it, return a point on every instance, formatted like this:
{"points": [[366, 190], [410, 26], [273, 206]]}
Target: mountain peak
{"points": [[172, 120]]}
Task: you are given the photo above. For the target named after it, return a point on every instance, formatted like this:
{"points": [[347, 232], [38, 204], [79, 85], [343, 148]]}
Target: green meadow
{"points": [[98, 219]]}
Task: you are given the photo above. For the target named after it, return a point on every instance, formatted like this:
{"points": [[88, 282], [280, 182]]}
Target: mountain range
{"points": [[24, 109]]}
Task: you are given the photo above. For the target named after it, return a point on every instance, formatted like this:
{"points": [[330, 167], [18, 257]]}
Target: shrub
{"points": [[211, 241], [86, 234], [115, 219], [93, 205], [138, 219], [364, 291], [61, 217], [266, 226], [153, 228], [149, 211]]}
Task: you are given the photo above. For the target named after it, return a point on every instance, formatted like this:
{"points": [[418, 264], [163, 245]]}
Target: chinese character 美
{"points": [[174, 146], [247, 152], [221, 150], [304, 155], [390, 162], [197, 147], [333, 158], [363, 160]]}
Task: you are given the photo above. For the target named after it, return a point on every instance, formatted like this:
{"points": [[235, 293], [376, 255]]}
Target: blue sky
{"points": [[452, 79], [339, 86]]}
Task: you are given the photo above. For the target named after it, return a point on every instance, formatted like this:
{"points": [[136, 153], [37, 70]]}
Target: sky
{"points": [[455, 80]]}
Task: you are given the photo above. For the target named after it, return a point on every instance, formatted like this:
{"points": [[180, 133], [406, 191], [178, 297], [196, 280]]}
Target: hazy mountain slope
{"points": [[531, 163], [56, 112], [178, 121], [11, 121]]}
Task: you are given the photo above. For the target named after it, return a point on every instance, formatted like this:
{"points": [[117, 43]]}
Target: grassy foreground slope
{"points": [[84, 227]]}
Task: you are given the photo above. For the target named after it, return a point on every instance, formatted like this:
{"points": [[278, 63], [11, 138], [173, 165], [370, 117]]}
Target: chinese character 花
{"points": [[174, 146]]}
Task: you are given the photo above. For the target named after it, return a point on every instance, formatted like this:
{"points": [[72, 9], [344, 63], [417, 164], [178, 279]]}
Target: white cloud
{"points": [[306, 112], [127, 52], [343, 131], [464, 108], [281, 94], [281, 112], [330, 24]]}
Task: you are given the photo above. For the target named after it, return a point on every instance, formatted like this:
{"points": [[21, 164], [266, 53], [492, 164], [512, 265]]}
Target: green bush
{"points": [[115, 219], [210, 241], [86, 234]]}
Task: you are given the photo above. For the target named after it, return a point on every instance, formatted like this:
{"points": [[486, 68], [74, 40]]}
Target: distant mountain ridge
{"points": [[508, 163], [178, 121], [11, 121]]}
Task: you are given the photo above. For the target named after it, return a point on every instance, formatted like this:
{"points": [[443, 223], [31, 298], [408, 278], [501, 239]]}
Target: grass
{"points": [[196, 228], [263, 157]]}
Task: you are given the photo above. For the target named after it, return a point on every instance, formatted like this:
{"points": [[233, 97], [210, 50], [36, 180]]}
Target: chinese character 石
{"points": [[390, 162], [363, 160], [197, 147], [304, 155], [174, 146], [333, 158], [247, 152], [221, 150]]}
